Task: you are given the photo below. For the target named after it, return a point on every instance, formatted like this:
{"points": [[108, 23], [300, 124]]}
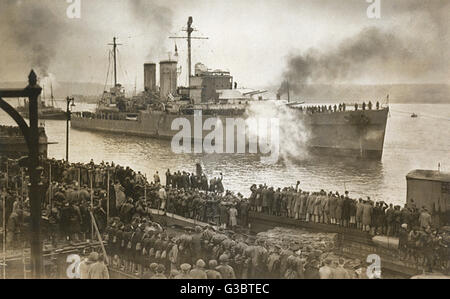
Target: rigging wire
{"points": [[121, 69], [107, 73]]}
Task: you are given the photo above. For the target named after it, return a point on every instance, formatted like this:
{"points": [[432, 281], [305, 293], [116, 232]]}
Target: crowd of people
{"points": [[337, 108], [413, 226], [146, 249], [74, 193]]}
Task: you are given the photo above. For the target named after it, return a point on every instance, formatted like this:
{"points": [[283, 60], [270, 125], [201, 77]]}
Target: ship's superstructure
{"points": [[213, 93]]}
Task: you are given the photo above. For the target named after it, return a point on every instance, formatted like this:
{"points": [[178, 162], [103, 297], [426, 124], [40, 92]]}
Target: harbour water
{"points": [[411, 143]]}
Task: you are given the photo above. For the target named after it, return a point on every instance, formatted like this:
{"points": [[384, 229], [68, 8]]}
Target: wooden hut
{"points": [[430, 189]]}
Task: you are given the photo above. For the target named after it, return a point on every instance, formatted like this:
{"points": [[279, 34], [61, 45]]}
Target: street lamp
{"points": [[70, 105]]}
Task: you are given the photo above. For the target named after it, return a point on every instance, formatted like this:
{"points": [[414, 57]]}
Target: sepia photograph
{"points": [[213, 143]]}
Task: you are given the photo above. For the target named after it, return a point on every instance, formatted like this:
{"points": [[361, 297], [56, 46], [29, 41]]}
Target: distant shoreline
{"points": [[311, 93]]}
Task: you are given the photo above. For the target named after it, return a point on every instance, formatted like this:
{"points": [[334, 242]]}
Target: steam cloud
{"points": [[378, 52], [293, 135]]}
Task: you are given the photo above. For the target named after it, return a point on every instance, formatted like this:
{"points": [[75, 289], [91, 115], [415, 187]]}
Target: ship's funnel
{"points": [[150, 77], [168, 78]]}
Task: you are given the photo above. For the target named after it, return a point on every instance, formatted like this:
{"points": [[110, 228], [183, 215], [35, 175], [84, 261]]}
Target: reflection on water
{"points": [[410, 143]]}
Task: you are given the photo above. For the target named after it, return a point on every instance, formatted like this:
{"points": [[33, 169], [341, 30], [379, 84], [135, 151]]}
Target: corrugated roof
{"points": [[429, 175]]}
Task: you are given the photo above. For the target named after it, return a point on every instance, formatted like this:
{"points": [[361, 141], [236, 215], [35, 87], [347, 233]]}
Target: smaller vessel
{"points": [[46, 112], [414, 115]]}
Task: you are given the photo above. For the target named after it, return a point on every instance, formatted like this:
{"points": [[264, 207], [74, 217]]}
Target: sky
{"points": [[261, 42]]}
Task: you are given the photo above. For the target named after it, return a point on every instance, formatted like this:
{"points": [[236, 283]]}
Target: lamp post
{"points": [[70, 104]]}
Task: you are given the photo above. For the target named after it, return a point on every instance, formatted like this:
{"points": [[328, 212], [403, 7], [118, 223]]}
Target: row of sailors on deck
{"points": [[337, 108]]}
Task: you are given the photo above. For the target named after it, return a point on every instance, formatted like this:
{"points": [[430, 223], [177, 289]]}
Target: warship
{"points": [[213, 93]]}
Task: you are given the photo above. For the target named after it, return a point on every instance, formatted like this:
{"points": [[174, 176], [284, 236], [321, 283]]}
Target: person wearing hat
{"points": [[424, 218], [196, 243], [340, 272], [326, 271], [86, 264], [199, 270], [367, 216], [339, 208], [212, 273], [325, 209], [185, 269], [98, 269], [163, 198], [233, 214], [349, 268], [224, 269], [406, 215], [14, 228], [397, 220], [297, 203], [173, 255], [273, 263], [291, 269], [223, 214], [152, 269], [310, 207], [312, 267], [332, 204], [359, 211], [174, 273], [390, 220], [317, 210], [403, 239], [117, 239], [54, 218], [160, 270], [361, 271]]}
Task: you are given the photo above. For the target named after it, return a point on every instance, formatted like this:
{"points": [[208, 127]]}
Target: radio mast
{"points": [[189, 39], [115, 44]]}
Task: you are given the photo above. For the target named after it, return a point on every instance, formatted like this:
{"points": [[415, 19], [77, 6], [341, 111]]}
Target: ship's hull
{"points": [[48, 116], [357, 134]]}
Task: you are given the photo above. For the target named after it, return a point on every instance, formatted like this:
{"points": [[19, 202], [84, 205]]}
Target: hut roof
{"points": [[429, 175]]}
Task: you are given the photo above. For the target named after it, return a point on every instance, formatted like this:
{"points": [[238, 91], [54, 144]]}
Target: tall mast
{"points": [[115, 62], [115, 44], [51, 90], [42, 102], [189, 32], [189, 38], [288, 92]]}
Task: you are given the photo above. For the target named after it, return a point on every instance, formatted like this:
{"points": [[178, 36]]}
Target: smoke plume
{"points": [[156, 22], [379, 54], [30, 29], [40, 35]]}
